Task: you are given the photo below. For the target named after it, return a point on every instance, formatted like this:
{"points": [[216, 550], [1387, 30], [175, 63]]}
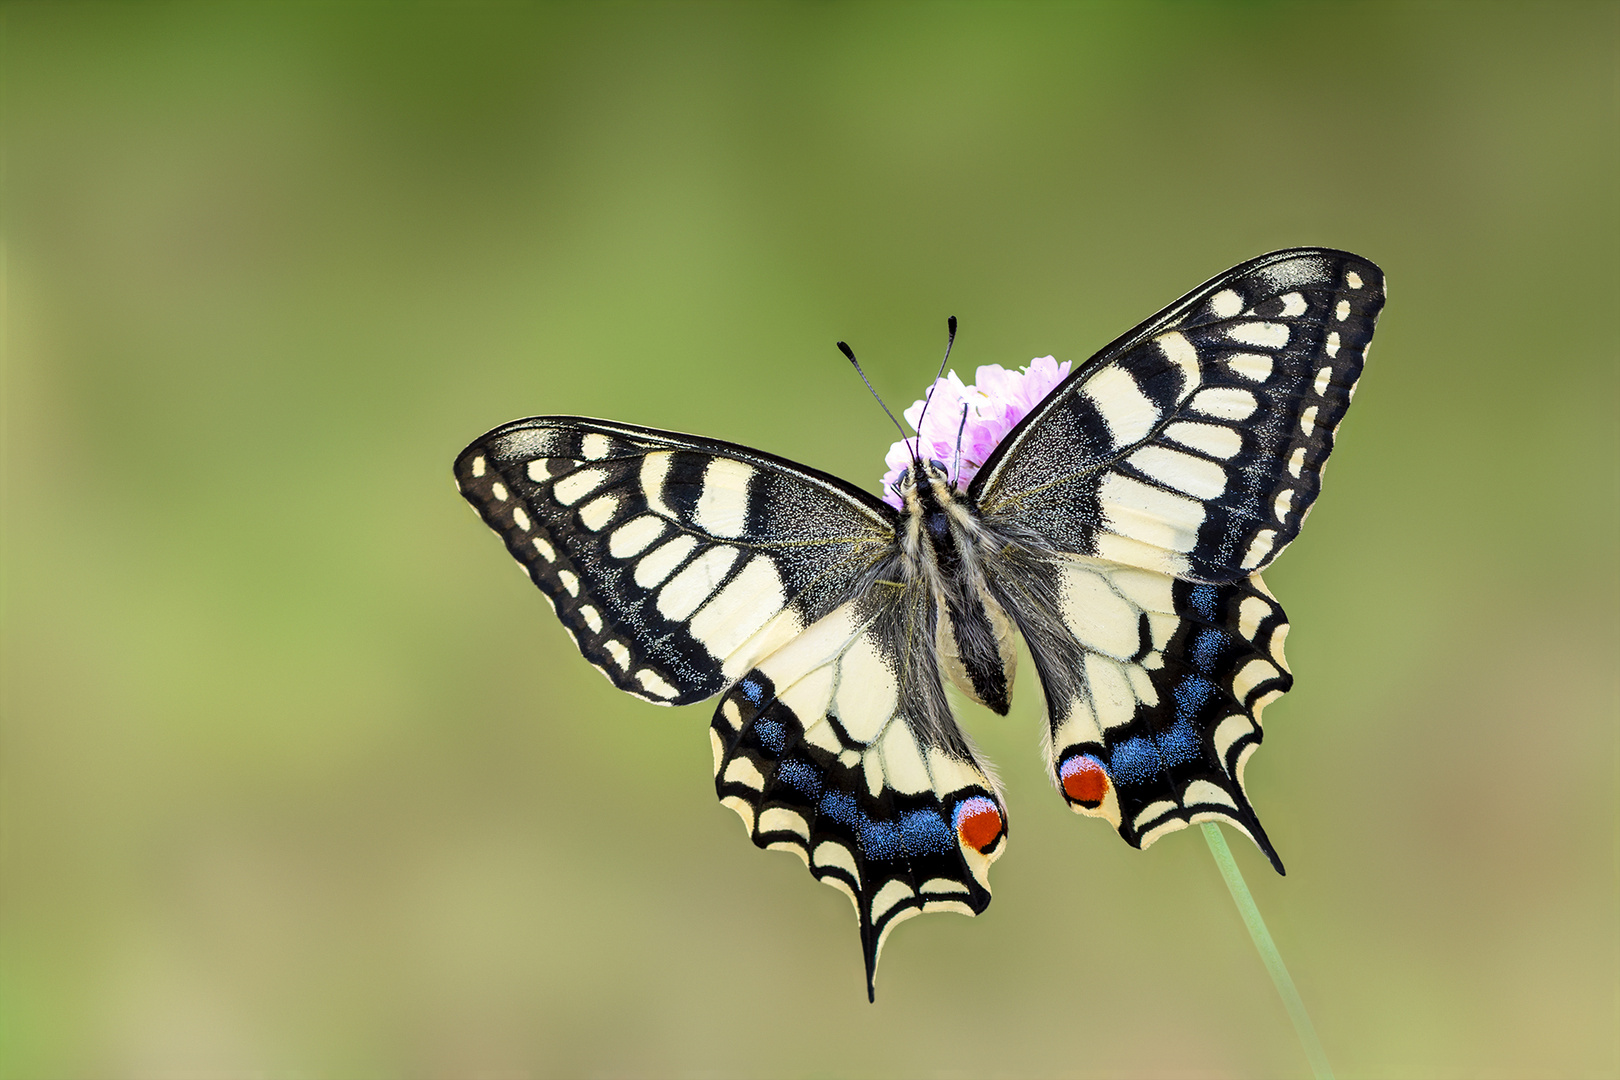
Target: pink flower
{"points": [[995, 404]]}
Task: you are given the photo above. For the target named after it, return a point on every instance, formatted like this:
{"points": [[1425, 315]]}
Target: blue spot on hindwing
{"points": [[1134, 761], [1204, 601], [840, 806], [771, 735], [1182, 743], [753, 689], [1206, 650], [801, 776], [880, 839], [1192, 694], [925, 833]]}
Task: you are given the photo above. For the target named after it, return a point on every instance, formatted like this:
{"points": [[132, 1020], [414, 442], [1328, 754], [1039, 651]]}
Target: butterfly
{"points": [[1120, 528]]}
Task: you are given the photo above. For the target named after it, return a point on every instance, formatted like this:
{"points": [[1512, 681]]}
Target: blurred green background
{"points": [[301, 780]]}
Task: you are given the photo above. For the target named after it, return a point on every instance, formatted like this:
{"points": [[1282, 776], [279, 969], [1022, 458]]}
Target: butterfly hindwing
{"points": [[1194, 444], [841, 748], [1154, 691], [675, 562]]}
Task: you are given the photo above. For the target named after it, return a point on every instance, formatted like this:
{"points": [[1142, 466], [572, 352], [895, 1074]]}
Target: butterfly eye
{"points": [[937, 467]]}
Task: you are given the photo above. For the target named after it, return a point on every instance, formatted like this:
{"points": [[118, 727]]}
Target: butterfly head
{"points": [[927, 485]]}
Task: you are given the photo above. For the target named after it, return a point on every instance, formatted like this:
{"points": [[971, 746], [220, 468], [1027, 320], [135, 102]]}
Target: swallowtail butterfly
{"points": [[1120, 528]]}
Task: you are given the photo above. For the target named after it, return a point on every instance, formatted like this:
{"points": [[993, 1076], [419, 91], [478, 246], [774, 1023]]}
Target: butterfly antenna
{"points": [[849, 354], [956, 466], [950, 327]]}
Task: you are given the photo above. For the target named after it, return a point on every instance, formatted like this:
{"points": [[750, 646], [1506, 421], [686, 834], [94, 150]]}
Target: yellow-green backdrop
{"points": [[302, 780]]}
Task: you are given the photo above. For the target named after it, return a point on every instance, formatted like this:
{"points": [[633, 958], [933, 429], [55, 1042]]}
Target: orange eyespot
{"points": [[978, 822], [1085, 781]]}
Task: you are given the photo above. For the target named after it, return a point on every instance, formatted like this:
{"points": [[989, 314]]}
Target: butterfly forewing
{"points": [[1195, 443], [675, 562]]}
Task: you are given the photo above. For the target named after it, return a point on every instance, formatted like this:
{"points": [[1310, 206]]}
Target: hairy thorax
{"points": [[945, 547]]}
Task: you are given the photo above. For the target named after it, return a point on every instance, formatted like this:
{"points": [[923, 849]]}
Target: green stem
{"points": [[1267, 950]]}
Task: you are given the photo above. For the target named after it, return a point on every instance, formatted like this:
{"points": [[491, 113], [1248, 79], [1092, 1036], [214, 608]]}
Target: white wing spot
{"points": [[1353, 279], [576, 485], [1268, 335], [1228, 732], [1284, 504], [1296, 461], [545, 550], [1128, 412], [633, 537], [1213, 439], [661, 562], [598, 512], [835, 855], [739, 610], [1251, 613], [1181, 352], [1197, 477], [520, 519], [1307, 421], [1254, 673], [693, 585], [887, 897], [1204, 793], [654, 684], [1226, 303], [595, 447], [1259, 548], [654, 467], [478, 464], [569, 582], [1149, 514], [1252, 366], [781, 819], [620, 654], [1332, 345], [1154, 812], [1224, 402], [722, 509], [1323, 379], [1341, 310], [498, 490], [1293, 305], [592, 617]]}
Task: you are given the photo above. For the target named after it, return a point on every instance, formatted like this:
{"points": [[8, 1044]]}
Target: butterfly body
{"points": [[1119, 529], [944, 547]]}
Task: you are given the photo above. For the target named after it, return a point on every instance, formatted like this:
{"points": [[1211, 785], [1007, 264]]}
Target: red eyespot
{"points": [[978, 822], [1084, 780]]}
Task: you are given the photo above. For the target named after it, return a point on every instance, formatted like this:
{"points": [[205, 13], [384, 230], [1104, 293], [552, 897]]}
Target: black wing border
{"points": [[887, 514], [1135, 336]]}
